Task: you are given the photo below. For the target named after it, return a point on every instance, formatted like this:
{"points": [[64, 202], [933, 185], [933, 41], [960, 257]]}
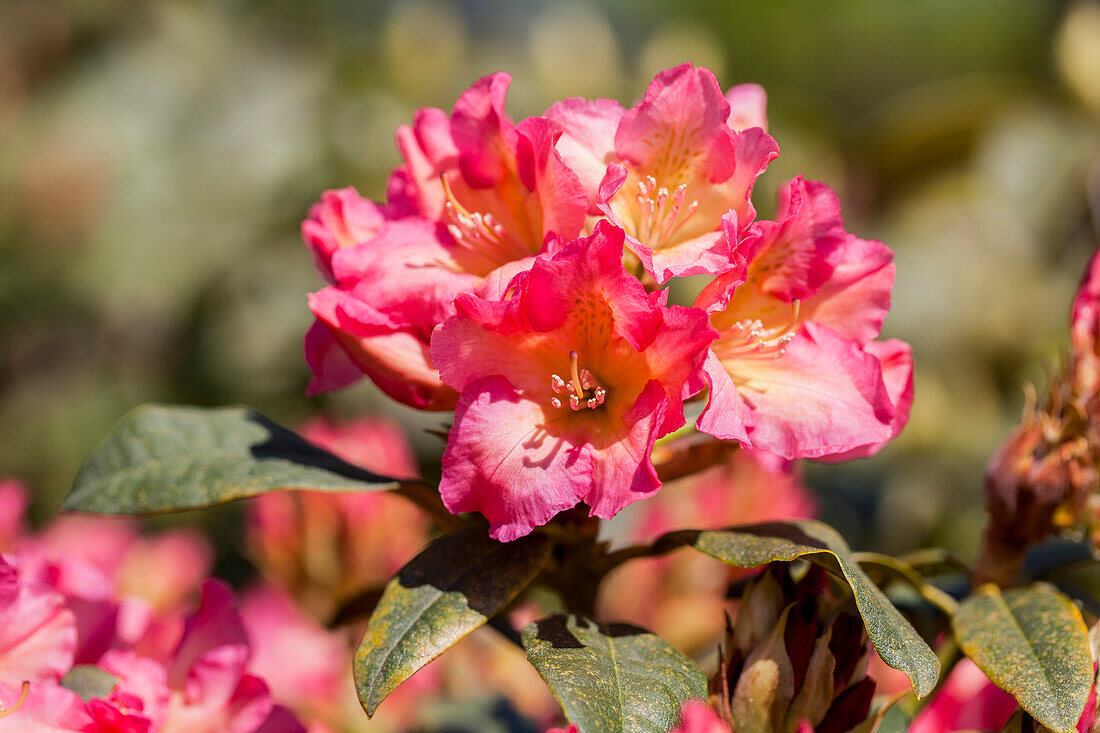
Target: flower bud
{"points": [[797, 661]]}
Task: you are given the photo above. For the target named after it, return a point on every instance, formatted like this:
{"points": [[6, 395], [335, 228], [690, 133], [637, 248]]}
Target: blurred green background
{"points": [[156, 159]]}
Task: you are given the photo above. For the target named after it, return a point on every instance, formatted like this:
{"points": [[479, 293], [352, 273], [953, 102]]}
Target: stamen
{"points": [[748, 339], [582, 388], [477, 232], [661, 213], [23, 692]]}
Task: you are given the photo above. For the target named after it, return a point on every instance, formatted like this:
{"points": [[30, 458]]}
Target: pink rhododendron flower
{"points": [[476, 193], [211, 691], [37, 632], [967, 700], [322, 546], [794, 370], [304, 664], [671, 170], [564, 386], [126, 590]]}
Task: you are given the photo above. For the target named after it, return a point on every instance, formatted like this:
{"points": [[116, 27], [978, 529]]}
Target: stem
{"points": [[428, 499]]}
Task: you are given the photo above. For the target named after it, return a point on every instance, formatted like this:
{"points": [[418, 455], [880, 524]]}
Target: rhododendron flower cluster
{"points": [[517, 273]]}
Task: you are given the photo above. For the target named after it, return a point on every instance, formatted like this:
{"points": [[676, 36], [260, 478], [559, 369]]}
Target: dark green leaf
{"points": [[612, 678], [453, 587], [895, 639], [89, 681], [164, 458], [1033, 643]]}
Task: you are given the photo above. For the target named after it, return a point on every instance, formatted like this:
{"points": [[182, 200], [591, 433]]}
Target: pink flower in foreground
{"points": [[795, 370], [477, 193], [37, 633], [564, 386], [671, 170]]}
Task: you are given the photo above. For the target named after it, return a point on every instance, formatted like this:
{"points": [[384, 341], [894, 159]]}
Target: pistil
{"points": [[582, 388]]}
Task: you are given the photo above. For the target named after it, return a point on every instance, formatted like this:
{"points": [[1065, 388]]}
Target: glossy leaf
{"points": [[89, 681], [615, 678], [457, 584], [1033, 643], [163, 458], [895, 639]]}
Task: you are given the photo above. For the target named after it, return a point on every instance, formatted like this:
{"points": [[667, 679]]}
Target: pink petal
{"points": [[482, 131], [696, 717], [622, 471], [214, 629], [561, 196], [139, 679], [855, 299], [502, 461], [587, 143], [682, 118], [332, 366], [797, 253], [726, 415], [341, 219], [38, 634], [824, 396], [896, 358], [428, 150], [48, 708]]}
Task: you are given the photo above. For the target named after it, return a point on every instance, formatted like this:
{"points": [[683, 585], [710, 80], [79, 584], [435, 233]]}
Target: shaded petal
{"points": [[726, 415], [214, 627], [855, 299], [342, 218], [622, 471], [502, 462], [797, 253], [332, 366], [678, 132], [482, 132], [824, 396], [561, 196], [38, 634], [428, 150], [896, 358], [587, 143]]}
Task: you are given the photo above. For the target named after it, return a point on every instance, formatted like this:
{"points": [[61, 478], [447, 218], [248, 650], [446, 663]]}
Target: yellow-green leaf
{"points": [[612, 678], [162, 458], [1033, 643], [457, 584], [895, 639]]}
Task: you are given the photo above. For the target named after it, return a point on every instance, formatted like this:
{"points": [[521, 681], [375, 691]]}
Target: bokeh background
{"points": [[156, 159]]}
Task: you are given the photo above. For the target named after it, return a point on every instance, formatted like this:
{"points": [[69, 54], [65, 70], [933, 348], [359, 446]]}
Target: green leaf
{"points": [[895, 639], [457, 584], [89, 682], [1033, 643], [163, 458], [612, 679]]}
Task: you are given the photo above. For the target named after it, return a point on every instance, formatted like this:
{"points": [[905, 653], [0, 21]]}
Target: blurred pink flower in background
{"points": [[682, 597], [322, 547], [967, 700]]}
